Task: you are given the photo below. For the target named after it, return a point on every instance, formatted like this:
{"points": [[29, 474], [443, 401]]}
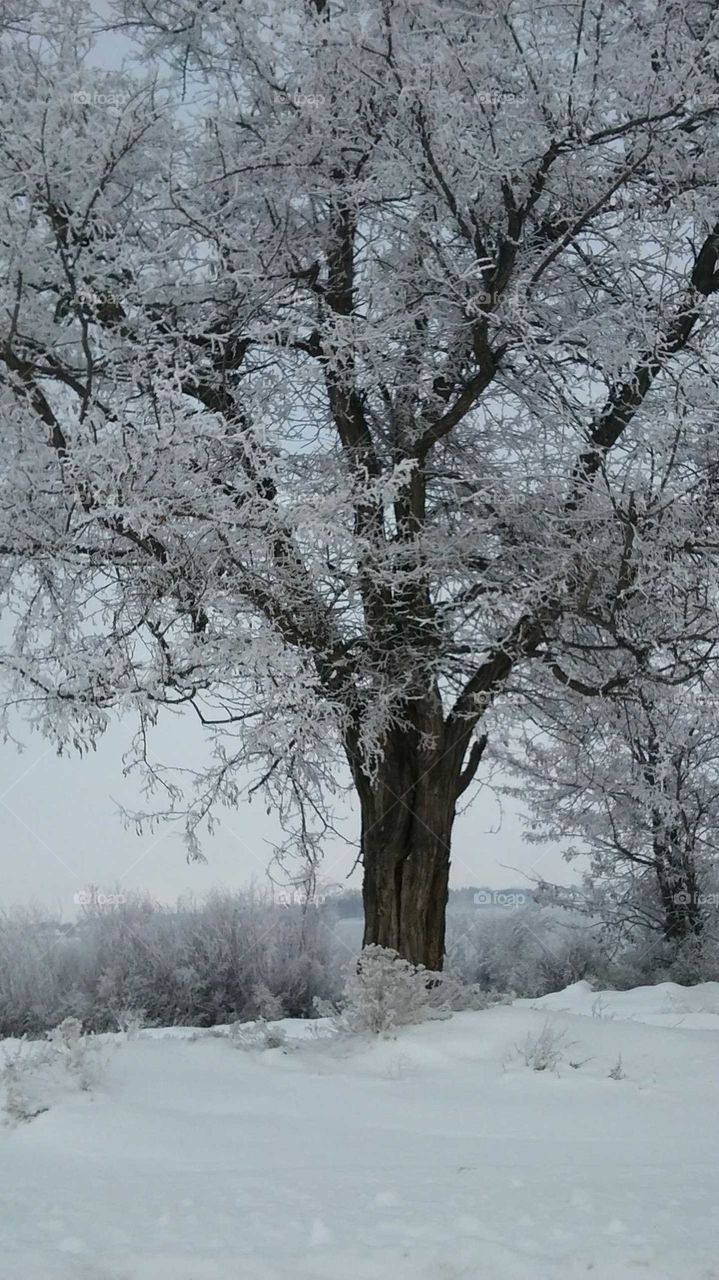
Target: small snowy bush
{"points": [[23, 1078], [257, 1035], [545, 1049], [130, 1022], [452, 993], [617, 1072], [383, 991], [269, 1007], [35, 1072], [77, 1052]]}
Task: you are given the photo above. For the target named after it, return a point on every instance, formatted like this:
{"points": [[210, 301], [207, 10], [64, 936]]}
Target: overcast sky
{"points": [[62, 830]]}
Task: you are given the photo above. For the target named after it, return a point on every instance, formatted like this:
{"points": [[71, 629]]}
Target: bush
{"points": [[528, 950], [240, 956], [34, 1072], [21, 1077], [233, 956], [382, 991], [257, 1035], [77, 1052], [649, 959], [617, 1072], [545, 1049]]}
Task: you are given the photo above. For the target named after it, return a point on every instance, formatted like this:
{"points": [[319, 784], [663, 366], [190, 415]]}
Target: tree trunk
{"points": [[678, 889], [407, 814]]}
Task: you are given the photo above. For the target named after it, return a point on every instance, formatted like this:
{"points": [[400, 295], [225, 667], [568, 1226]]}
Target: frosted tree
{"points": [[632, 783], [618, 747], [332, 339]]}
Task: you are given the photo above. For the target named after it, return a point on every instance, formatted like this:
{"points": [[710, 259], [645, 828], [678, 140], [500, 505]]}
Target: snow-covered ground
{"points": [[436, 1155]]}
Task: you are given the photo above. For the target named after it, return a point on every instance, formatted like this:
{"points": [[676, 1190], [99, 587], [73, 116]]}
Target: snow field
{"points": [[438, 1154]]}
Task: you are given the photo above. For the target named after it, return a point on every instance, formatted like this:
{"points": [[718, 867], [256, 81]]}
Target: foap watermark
{"points": [[308, 894], [93, 98], [685, 899], [500, 898], [484, 300], [298, 104], [710, 103], [300, 898], [312, 100], [96, 898], [496, 97], [93, 301]]}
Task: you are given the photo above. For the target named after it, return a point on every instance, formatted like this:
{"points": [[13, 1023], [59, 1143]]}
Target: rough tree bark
{"points": [[678, 888], [407, 811], [406, 832]]}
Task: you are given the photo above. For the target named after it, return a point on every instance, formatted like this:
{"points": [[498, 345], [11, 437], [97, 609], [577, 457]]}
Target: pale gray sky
{"points": [[61, 830]]}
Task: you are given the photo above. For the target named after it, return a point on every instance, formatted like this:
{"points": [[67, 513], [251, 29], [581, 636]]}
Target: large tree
{"points": [[326, 356]]}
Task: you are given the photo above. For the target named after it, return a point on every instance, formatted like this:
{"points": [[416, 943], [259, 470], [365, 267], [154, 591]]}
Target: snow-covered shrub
{"points": [[235, 955], [525, 950], [600, 1005], [383, 991], [269, 1007], [131, 1022], [78, 1053], [257, 1035], [34, 1072], [275, 1037], [543, 1050], [649, 959], [617, 1072], [39, 971], [450, 992], [23, 1079]]}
